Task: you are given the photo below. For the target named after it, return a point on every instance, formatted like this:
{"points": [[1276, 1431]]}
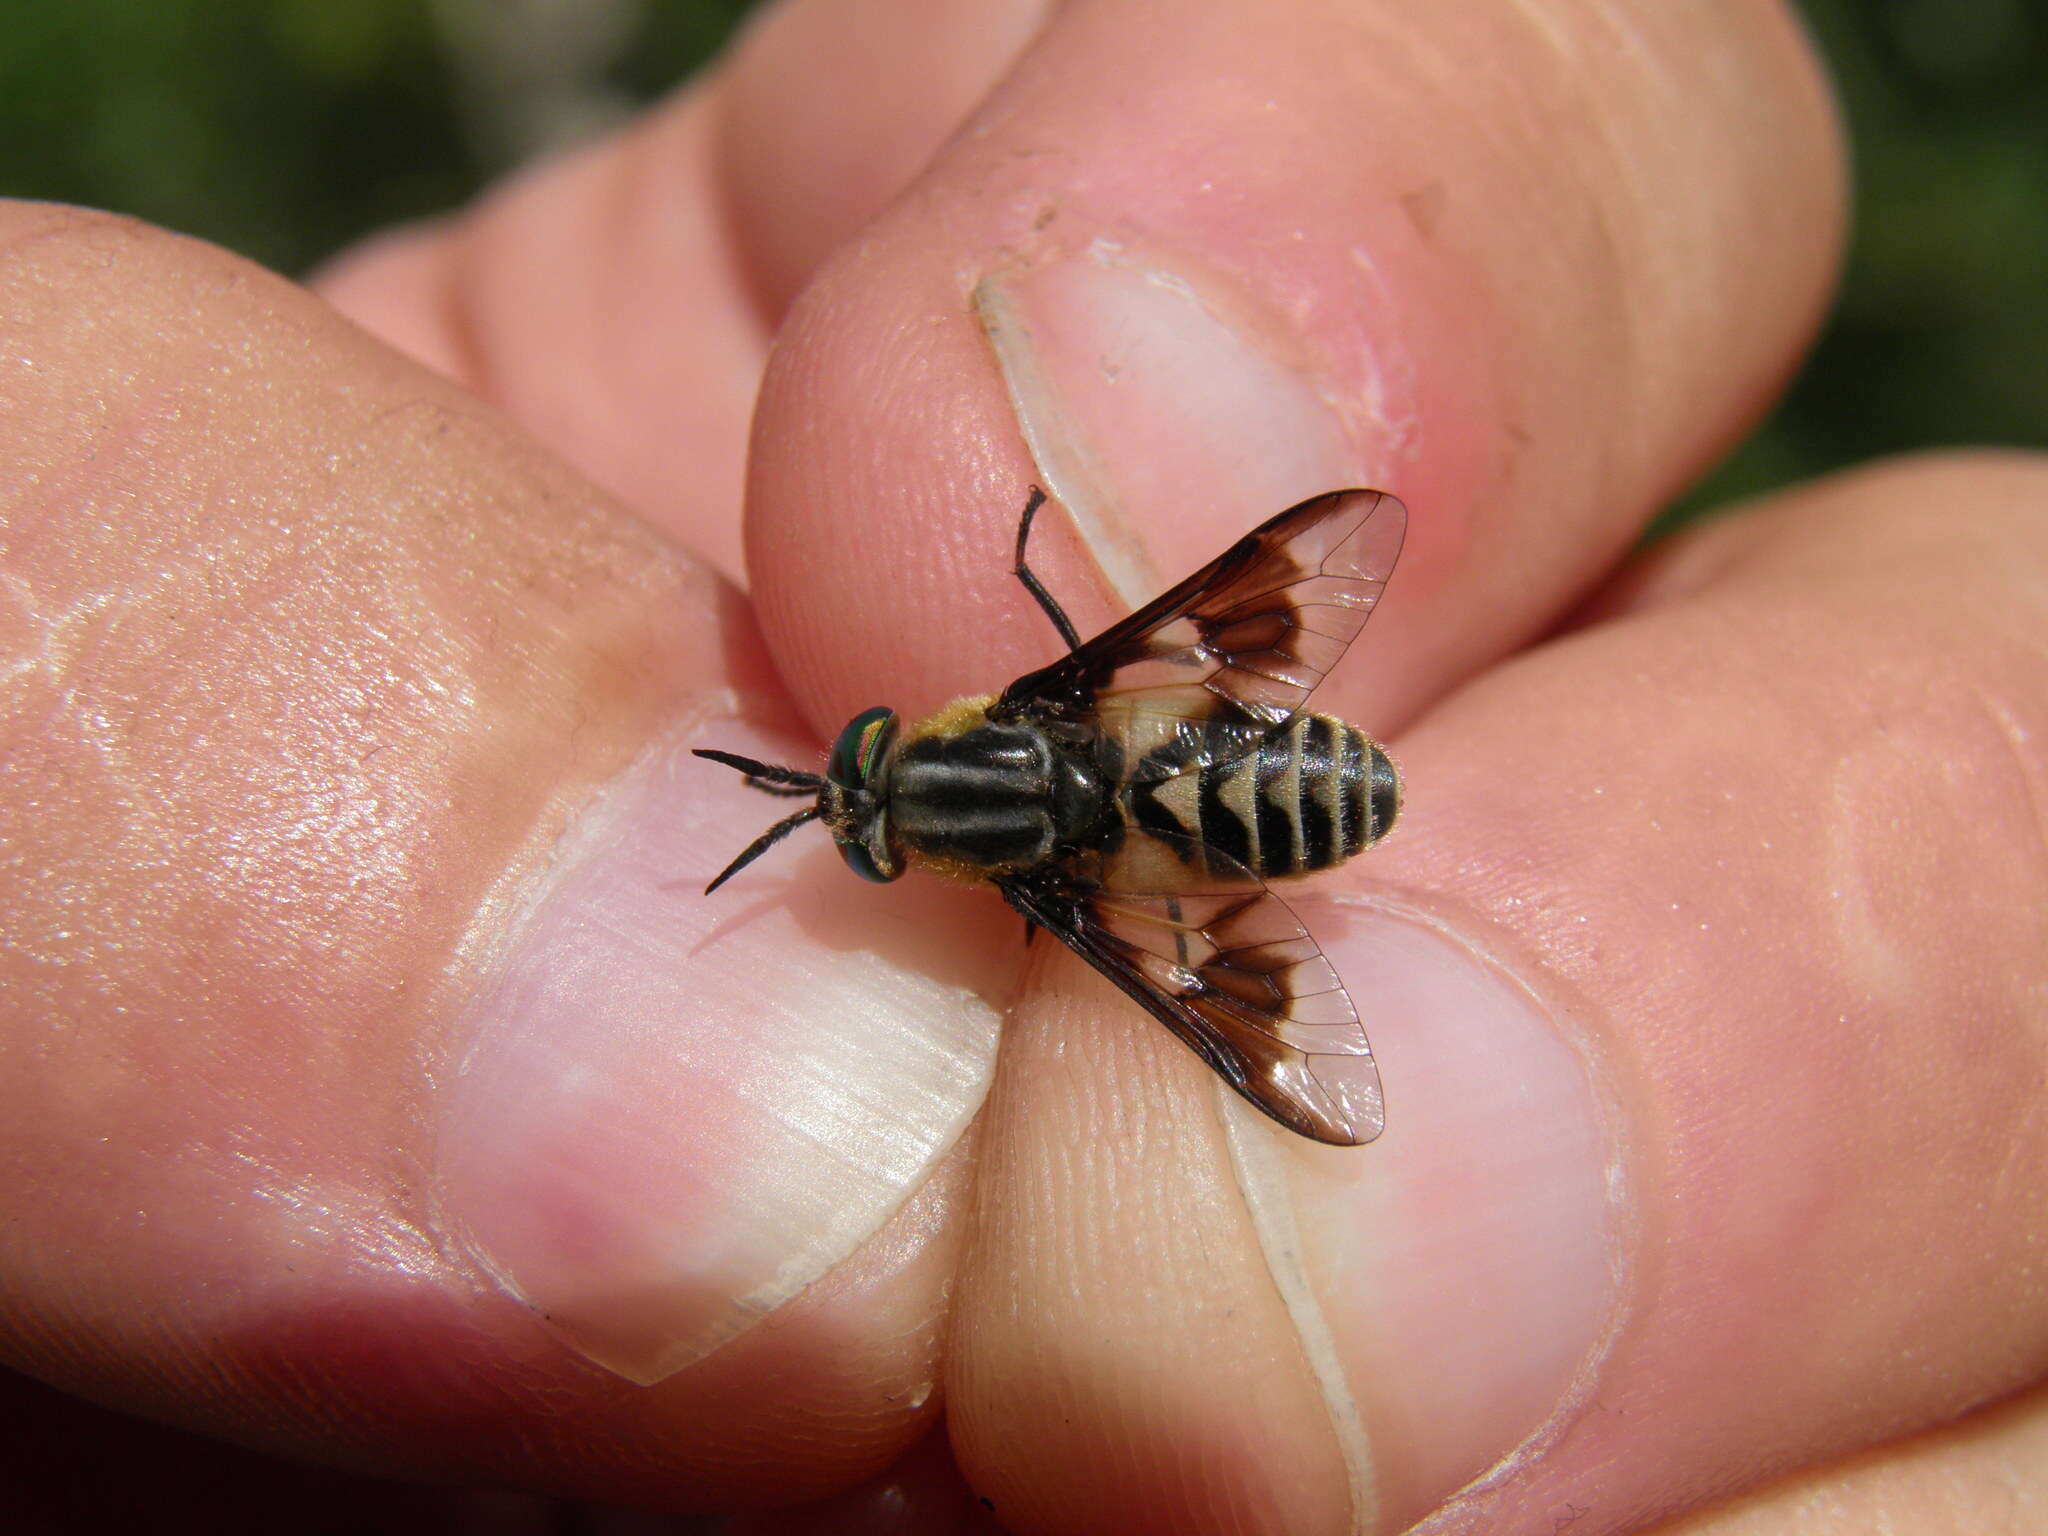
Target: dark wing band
{"points": [[1236, 976], [1207, 669]]}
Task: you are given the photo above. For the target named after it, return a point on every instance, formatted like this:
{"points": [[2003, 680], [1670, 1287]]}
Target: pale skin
{"points": [[314, 654]]}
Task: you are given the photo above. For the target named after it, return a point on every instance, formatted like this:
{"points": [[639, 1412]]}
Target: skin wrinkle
{"points": [[55, 657], [2010, 733], [1857, 928], [1392, 378], [2027, 760], [1882, 779]]}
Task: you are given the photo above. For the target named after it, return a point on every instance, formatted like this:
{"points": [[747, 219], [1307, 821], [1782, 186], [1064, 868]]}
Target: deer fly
{"points": [[1133, 798]]}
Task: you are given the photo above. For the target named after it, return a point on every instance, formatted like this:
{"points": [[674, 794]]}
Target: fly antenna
{"points": [[766, 777], [762, 844]]}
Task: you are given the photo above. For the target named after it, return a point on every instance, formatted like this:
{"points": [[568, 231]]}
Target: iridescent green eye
{"points": [[861, 747], [862, 862]]}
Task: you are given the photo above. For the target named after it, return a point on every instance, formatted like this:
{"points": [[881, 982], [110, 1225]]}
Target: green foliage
{"points": [[282, 129], [286, 128], [278, 127], [1940, 336]]}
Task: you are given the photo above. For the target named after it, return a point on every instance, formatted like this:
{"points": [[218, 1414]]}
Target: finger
{"points": [[600, 300], [1526, 267], [1986, 1476], [1704, 975], [619, 301], [378, 1087]]}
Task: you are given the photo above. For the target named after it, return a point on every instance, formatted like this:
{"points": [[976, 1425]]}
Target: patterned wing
{"points": [[1219, 661], [1236, 976]]}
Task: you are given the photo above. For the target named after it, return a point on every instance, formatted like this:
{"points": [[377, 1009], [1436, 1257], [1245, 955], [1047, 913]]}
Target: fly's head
{"points": [[854, 799], [851, 798]]}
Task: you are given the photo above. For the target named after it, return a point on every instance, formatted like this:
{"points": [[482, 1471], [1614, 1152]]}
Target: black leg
{"points": [[755, 781], [768, 777], [1032, 584], [762, 844]]}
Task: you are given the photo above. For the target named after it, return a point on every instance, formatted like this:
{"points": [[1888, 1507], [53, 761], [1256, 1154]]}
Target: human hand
{"points": [[362, 1008]]}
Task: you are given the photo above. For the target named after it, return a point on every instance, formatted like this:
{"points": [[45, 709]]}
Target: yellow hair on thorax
{"points": [[957, 718]]}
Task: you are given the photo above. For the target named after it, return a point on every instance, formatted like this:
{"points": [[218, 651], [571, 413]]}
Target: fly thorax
{"points": [[997, 796]]}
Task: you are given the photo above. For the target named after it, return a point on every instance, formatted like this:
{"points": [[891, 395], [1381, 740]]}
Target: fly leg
{"points": [[1032, 584]]}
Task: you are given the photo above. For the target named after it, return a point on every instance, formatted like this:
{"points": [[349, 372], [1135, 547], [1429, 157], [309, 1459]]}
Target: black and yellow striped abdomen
{"points": [[1313, 793]]}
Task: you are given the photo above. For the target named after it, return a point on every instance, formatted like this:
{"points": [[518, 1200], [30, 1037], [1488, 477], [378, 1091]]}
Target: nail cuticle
{"points": [[1495, 1222], [1162, 406]]}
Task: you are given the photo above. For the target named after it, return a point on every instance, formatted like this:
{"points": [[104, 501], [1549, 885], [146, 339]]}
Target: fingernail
{"points": [[675, 1111], [1168, 410], [1454, 1281]]}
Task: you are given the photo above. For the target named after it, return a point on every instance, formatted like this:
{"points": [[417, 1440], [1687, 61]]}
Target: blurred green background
{"points": [[284, 128]]}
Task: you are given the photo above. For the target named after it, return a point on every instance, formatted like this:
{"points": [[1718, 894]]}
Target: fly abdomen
{"points": [[1311, 795]]}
